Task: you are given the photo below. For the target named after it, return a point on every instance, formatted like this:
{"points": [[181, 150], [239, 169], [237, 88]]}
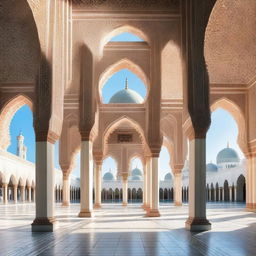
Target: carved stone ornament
{"points": [[128, 4]]}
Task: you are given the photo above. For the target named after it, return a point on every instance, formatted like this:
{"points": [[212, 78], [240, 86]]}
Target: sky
{"points": [[223, 127]]}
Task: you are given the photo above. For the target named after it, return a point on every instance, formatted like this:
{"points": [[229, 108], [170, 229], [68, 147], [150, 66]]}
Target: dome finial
{"points": [[126, 84]]}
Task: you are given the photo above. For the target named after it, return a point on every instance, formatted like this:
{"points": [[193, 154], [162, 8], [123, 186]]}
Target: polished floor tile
{"points": [[126, 231]]}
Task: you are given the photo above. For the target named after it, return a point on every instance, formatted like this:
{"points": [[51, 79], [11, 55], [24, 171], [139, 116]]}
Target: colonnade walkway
{"points": [[116, 230]]}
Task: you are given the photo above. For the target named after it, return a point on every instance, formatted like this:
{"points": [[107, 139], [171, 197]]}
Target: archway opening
{"points": [[124, 87], [136, 180], [165, 176], [240, 189], [126, 37], [225, 160], [109, 180]]}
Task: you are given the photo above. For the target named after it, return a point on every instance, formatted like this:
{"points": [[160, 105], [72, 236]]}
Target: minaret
{"points": [[21, 148], [126, 84]]}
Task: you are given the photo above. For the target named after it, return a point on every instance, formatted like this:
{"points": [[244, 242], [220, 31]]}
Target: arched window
{"points": [[126, 37]]}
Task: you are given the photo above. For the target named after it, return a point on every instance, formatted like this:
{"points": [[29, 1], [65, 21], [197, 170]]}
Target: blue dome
{"points": [[211, 167], [168, 176], [136, 177], [126, 96], [227, 155], [137, 172], [108, 176]]}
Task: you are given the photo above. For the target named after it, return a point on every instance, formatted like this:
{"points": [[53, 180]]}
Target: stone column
{"points": [[195, 17], [235, 194], [219, 194], [98, 180], [197, 178], [215, 195], [22, 191], [230, 194], [34, 190], [177, 188], [86, 179], [15, 193], [145, 190], [125, 188], [5, 193], [45, 180], [66, 189], [251, 180], [29, 194], [154, 209], [149, 183]]}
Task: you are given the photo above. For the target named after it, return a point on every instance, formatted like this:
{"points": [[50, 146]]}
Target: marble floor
{"points": [[125, 231]]}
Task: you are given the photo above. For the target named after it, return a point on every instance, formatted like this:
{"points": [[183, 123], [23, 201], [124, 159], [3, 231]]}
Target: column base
{"points": [[65, 204], [43, 224], [153, 213], [85, 214], [198, 224], [124, 204], [144, 206], [97, 206], [250, 207], [177, 204]]}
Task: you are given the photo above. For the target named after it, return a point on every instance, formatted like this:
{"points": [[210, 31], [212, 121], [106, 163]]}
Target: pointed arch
{"points": [[122, 29], [114, 125], [236, 112], [116, 67], [2, 177], [6, 115], [13, 180]]}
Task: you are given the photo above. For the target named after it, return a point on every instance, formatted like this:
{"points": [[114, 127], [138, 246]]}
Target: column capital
{"points": [[65, 175], [155, 150], [177, 174], [177, 169], [48, 136], [5, 185], [125, 176]]}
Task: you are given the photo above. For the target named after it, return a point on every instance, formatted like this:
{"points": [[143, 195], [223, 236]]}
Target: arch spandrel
{"points": [[172, 72]]}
